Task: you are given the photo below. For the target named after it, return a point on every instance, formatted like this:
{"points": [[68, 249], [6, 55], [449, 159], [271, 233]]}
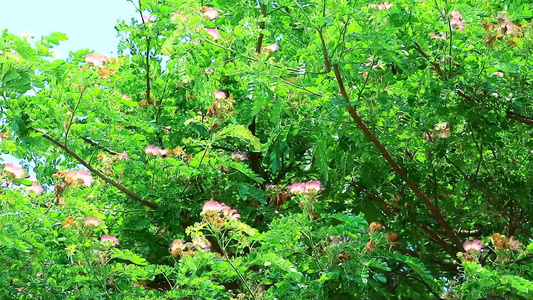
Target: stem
{"points": [[108, 180], [262, 26], [73, 112], [385, 153]]}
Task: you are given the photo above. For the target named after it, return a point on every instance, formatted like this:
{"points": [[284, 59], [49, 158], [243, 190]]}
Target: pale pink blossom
{"points": [[443, 36], [209, 13], [126, 97], [14, 170], [154, 150], [220, 95], [231, 213], [26, 35], [272, 48], [147, 18], [109, 238], [384, 5], [239, 156], [177, 247], [92, 222], [35, 188], [175, 15], [378, 64], [81, 175], [123, 156], [313, 186], [457, 20], [297, 188], [515, 244], [201, 242], [213, 32], [473, 246], [95, 59], [499, 74], [213, 206]]}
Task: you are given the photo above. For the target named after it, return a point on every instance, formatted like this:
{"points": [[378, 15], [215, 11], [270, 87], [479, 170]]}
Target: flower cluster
{"points": [[14, 171], [311, 187], [110, 239], [209, 13], [239, 156], [95, 59], [180, 247], [456, 20], [473, 246], [211, 207], [502, 242], [157, 151], [382, 6]]}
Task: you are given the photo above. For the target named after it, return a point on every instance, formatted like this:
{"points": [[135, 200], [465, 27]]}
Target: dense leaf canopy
{"points": [[298, 149]]}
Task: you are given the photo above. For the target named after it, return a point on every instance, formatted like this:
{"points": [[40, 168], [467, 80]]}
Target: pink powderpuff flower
{"points": [[35, 188], [26, 35], [154, 150], [443, 36], [95, 59], [213, 33], [313, 186], [123, 156], [110, 238], [473, 246], [457, 20], [220, 95], [177, 247], [371, 59], [272, 48], [92, 222], [14, 170], [231, 213], [126, 97], [515, 244], [201, 242], [147, 18], [297, 188], [209, 13], [239, 156], [499, 74], [382, 6], [81, 175], [213, 206]]}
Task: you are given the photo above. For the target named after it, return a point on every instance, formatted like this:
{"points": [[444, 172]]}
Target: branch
{"points": [[104, 177], [97, 145], [437, 239], [521, 119], [73, 112], [435, 64], [262, 26], [374, 197], [385, 153], [327, 62]]}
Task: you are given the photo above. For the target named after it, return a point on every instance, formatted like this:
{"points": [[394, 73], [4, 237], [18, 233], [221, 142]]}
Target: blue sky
{"points": [[87, 23]]}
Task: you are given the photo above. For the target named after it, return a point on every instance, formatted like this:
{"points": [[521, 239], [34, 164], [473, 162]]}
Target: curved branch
{"points": [[435, 212], [104, 177]]}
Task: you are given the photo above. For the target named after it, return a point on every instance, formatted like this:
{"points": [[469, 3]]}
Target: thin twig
{"points": [[104, 177], [73, 113]]}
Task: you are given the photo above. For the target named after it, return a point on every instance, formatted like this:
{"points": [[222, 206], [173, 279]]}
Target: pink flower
{"points": [[201, 242], [96, 60], [154, 150], [92, 222], [457, 20], [83, 176], [126, 97], [297, 188], [35, 189], [109, 238], [26, 35], [239, 156], [209, 13], [515, 244], [220, 95], [272, 48], [123, 156], [14, 170], [499, 74], [438, 37], [371, 60], [231, 213], [177, 247], [175, 15], [147, 18], [473, 246], [214, 33], [213, 206], [313, 186], [384, 5]]}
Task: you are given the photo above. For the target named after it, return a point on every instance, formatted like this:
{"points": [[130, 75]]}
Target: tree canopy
{"points": [[298, 149]]}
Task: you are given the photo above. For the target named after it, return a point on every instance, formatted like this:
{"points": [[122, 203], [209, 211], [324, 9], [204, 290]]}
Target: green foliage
{"points": [[308, 120]]}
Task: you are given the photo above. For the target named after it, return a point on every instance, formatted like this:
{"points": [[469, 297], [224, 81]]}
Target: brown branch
{"points": [[385, 153], [521, 119], [104, 177], [262, 26], [435, 64], [74, 112], [327, 62], [374, 197], [435, 236], [97, 145]]}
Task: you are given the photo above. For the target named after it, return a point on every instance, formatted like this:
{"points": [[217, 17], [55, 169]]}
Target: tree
{"points": [[257, 139]]}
